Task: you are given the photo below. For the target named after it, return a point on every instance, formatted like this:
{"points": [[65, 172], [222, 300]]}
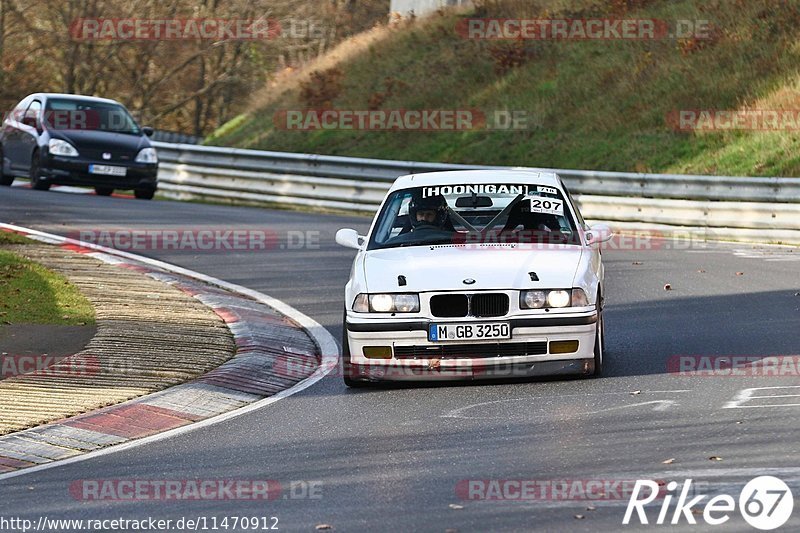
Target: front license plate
{"points": [[469, 332], [108, 170]]}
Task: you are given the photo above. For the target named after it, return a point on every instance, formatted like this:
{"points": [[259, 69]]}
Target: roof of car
{"points": [[75, 97], [456, 177]]}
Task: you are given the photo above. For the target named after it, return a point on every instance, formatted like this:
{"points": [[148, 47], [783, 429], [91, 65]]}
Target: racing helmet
{"points": [[437, 204]]}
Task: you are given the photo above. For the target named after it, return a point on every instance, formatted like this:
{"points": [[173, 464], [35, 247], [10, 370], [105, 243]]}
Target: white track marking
{"points": [[746, 395], [329, 349], [660, 405]]}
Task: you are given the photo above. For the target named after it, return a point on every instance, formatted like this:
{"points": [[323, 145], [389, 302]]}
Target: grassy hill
{"points": [[594, 104]]}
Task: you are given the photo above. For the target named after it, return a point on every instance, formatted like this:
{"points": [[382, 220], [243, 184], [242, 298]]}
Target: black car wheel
{"points": [[36, 174], [103, 191], [4, 179], [347, 369], [599, 346], [144, 194]]}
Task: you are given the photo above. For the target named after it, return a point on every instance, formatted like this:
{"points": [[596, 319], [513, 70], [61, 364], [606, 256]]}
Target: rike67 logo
{"points": [[765, 503]]}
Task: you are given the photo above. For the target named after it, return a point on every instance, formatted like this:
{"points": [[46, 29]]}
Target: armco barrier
{"points": [[735, 208]]}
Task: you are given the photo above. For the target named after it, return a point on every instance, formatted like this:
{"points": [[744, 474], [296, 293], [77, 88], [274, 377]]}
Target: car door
{"points": [[12, 135], [30, 130]]}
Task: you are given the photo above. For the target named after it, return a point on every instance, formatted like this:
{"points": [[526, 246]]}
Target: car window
{"points": [[33, 112], [474, 213], [69, 114]]}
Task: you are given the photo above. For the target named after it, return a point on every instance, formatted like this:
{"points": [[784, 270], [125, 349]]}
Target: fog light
{"points": [[557, 347], [377, 352]]}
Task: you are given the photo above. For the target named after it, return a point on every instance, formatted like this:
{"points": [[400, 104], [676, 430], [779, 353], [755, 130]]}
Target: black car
{"points": [[68, 139]]}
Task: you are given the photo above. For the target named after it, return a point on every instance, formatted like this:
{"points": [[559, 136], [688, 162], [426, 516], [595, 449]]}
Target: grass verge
{"points": [[33, 294]]}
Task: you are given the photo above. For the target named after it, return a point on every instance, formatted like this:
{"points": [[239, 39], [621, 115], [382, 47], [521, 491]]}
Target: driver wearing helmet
{"points": [[428, 213]]}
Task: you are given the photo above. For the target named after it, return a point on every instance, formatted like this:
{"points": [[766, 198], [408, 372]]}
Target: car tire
{"points": [[103, 191], [347, 368], [36, 174], [599, 346], [144, 194], [5, 180]]}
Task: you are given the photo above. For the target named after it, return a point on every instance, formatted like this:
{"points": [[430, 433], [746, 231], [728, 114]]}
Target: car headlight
{"points": [[532, 299], [386, 303], [147, 155], [558, 299], [59, 147], [555, 299]]}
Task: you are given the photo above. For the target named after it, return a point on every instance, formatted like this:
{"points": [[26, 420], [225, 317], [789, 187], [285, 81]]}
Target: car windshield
{"points": [[67, 114], [475, 214]]}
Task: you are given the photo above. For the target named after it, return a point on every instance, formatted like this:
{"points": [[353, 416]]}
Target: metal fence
{"points": [[176, 137], [721, 207]]}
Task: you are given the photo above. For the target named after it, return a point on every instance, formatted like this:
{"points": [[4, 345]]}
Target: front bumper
{"points": [[75, 171], [530, 337]]}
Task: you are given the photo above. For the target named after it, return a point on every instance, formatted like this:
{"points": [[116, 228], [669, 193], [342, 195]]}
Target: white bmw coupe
{"points": [[474, 274]]}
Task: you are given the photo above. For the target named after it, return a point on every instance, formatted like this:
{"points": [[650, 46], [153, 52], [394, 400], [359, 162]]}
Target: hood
{"points": [[442, 268], [102, 141]]}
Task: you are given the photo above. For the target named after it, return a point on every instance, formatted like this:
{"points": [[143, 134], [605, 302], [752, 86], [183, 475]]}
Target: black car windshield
{"points": [[475, 214], [68, 114]]}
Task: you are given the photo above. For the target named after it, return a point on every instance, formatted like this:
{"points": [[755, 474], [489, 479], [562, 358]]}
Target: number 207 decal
{"points": [[547, 206]]}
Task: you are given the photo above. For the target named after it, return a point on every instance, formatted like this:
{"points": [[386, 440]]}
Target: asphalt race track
{"points": [[391, 458]]}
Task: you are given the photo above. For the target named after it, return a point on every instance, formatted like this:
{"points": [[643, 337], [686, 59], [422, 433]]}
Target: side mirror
{"points": [[598, 233], [349, 238], [147, 130]]}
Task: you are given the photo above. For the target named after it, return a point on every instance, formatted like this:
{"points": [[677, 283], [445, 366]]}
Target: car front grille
{"points": [[477, 305], [471, 351], [487, 305], [449, 305], [117, 156]]}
